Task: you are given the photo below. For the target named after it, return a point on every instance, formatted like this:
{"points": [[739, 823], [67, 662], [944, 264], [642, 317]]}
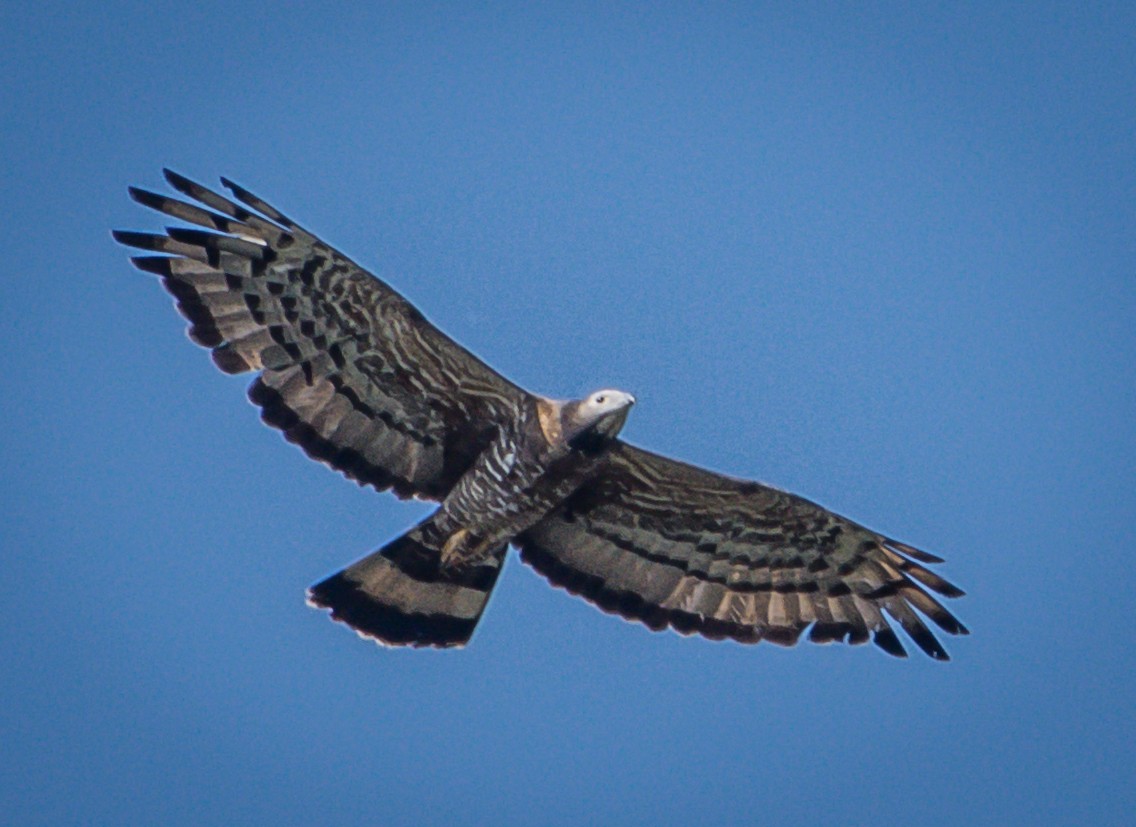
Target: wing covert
{"points": [[349, 370], [669, 544]]}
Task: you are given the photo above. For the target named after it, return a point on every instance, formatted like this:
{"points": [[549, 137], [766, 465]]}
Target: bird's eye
{"points": [[600, 399]]}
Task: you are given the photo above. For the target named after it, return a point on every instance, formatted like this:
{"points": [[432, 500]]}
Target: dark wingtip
{"points": [[930, 644], [176, 180], [237, 190], [913, 553], [258, 204], [368, 617], [887, 640], [948, 623], [158, 265], [951, 590], [144, 241], [146, 198]]}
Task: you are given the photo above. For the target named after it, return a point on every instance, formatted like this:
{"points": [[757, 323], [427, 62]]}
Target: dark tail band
{"points": [[400, 597]]}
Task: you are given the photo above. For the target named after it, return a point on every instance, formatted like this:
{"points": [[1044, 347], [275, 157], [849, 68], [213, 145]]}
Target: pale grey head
{"points": [[597, 417]]}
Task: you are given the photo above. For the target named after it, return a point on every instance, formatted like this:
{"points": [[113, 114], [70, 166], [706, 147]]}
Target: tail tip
{"points": [[386, 624]]}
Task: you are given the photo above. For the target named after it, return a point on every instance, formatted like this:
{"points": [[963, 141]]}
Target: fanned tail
{"points": [[399, 596]]}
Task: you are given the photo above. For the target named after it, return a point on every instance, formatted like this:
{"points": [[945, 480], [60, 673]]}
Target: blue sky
{"points": [[884, 257]]}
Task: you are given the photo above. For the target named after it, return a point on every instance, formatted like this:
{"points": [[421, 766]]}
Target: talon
{"points": [[451, 549]]}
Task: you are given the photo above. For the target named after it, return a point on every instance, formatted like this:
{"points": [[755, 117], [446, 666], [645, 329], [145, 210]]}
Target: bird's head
{"points": [[589, 422]]}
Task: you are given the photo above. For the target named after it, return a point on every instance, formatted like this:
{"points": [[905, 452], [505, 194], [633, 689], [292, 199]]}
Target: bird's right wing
{"points": [[670, 544], [349, 370]]}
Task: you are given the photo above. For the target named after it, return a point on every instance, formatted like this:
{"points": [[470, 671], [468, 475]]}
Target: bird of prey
{"points": [[361, 381]]}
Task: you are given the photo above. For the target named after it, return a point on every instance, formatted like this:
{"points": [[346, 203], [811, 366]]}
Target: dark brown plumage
{"points": [[356, 376]]}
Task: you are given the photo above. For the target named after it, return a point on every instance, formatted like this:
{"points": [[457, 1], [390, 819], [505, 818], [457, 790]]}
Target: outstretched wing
{"points": [[349, 370], [669, 544]]}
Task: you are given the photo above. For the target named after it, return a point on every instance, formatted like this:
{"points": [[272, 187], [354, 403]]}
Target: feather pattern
{"points": [[355, 375], [350, 371], [666, 543]]}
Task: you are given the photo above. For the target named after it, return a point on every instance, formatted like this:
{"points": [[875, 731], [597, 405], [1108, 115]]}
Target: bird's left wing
{"points": [[669, 544], [348, 369]]}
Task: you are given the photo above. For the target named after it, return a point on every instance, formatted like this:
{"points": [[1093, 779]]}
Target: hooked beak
{"points": [[613, 422]]}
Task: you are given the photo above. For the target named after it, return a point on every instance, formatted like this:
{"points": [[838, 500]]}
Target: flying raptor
{"points": [[361, 381]]}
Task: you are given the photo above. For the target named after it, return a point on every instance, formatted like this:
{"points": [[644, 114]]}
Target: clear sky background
{"points": [[883, 256]]}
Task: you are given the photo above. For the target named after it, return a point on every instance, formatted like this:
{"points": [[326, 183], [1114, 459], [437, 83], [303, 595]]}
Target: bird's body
{"points": [[455, 554], [357, 377], [524, 472]]}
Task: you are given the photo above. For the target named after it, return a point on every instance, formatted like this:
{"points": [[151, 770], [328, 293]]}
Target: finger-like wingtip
{"points": [[932, 647], [131, 238], [887, 640], [258, 204], [176, 180], [236, 189], [146, 198], [240, 192], [158, 265], [915, 553]]}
